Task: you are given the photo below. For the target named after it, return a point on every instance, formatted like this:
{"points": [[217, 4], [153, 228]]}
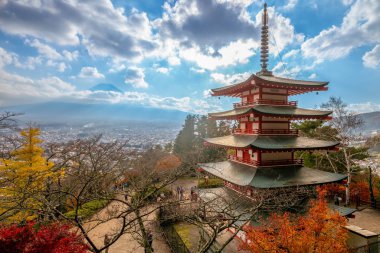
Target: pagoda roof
{"points": [[279, 111], [271, 142], [295, 86], [273, 177]]}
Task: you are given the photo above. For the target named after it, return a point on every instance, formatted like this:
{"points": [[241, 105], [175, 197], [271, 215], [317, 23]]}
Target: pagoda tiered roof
{"points": [[275, 111], [270, 81], [274, 177], [271, 142]]}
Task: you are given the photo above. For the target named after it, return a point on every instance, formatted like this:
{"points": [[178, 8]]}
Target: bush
{"points": [[87, 209], [212, 183]]}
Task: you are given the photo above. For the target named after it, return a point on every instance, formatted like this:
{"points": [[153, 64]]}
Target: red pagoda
{"points": [[264, 143]]}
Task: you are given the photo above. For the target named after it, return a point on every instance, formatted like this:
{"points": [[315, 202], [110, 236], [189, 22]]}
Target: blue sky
{"points": [[168, 54]]}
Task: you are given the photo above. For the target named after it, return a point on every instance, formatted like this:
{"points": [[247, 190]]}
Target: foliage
{"points": [[87, 209], [319, 230], [212, 183], [32, 238], [183, 231], [26, 177]]}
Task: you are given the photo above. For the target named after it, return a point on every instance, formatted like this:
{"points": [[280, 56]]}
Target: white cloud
{"points": [[136, 77], [162, 70], [44, 49], [227, 79], [347, 2], [90, 72], [313, 76], [61, 67], [70, 56], [105, 30], [291, 53], [371, 59], [7, 58], [364, 107], [207, 93], [196, 70], [360, 27], [290, 5]]}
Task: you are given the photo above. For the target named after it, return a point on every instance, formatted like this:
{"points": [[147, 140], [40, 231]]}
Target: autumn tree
{"points": [[24, 179], [42, 238], [319, 230]]}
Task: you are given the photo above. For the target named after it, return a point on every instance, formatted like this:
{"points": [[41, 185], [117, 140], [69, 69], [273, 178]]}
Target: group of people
{"points": [[193, 193]]}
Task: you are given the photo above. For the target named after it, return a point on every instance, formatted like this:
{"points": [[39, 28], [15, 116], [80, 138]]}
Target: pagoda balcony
{"points": [[265, 102], [283, 162], [266, 131]]}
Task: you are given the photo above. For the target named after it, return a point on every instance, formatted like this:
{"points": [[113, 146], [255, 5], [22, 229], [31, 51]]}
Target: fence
{"points": [[370, 248]]}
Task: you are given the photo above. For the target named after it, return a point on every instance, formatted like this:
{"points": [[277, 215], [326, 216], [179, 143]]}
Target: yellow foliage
{"points": [[26, 175]]}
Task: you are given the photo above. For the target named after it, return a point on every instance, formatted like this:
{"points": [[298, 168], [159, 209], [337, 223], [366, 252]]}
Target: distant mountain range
{"points": [[60, 112], [106, 87], [371, 122]]}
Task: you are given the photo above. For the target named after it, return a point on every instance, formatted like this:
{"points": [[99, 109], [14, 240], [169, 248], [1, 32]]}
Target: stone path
{"points": [[368, 219]]}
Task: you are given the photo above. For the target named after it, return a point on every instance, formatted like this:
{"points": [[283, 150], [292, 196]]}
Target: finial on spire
{"points": [[264, 44]]}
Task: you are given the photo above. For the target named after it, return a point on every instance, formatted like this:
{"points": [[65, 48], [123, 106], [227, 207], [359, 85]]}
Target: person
{"points": [[178, 192], [181, 192], [206, 179], [126, 197], [107, 241], [150, 238], [336, 199]]}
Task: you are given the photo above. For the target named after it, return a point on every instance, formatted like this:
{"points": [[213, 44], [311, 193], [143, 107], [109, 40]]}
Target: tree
{"points": [[319, 230], [346, 125], [36, 238], [25, 178]]}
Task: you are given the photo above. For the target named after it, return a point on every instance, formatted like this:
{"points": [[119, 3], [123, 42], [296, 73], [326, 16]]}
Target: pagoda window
{"points": [[245, 93], [239, 153], [274, 97], [276, 156]]}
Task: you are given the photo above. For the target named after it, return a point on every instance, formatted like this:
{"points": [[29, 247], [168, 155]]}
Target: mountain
{"points": [[371, 122], [61, 112], [105, 87]]}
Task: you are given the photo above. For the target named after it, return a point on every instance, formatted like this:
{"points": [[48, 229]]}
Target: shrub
{"points": [[212, 183], [87, 209]]}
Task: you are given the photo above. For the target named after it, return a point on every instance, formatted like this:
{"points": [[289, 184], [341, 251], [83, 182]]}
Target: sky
{"points": [[169, 54]]}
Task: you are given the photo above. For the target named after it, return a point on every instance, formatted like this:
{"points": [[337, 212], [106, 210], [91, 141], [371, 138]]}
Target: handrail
{"points": [[265, 101], [266, 131], [266, 162]]}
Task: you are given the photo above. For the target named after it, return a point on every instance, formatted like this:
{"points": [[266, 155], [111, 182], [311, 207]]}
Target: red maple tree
{"points": [[33, 238]]}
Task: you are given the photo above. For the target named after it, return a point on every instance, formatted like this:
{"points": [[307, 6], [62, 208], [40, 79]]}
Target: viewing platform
{"points": [[265, 102], [266, 131], [285, 162]]}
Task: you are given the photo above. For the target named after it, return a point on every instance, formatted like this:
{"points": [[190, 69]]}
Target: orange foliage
{"points": [[168, 162], [361, 188], [319, 231]]}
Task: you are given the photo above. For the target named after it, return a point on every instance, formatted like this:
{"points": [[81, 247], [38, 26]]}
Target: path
{"points": [[368, 219]]}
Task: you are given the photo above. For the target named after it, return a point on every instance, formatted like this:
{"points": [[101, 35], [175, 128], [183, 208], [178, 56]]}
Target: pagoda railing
{"points": [[266, 131], [265, 102], [265, 162]]}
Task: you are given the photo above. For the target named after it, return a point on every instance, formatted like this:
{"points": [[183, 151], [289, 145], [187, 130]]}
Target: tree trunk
{"points": [[348, 189], [147, 247], [373, 201]]}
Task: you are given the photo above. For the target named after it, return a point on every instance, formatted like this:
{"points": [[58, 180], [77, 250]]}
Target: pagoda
{"points": [[262, 148]]}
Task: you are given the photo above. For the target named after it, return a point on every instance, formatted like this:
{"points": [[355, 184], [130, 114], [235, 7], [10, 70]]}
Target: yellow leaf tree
{"points": [[24, 179]]}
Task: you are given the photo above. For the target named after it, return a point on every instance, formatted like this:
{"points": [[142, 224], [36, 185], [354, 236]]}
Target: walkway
{"points": [[368, 219]]}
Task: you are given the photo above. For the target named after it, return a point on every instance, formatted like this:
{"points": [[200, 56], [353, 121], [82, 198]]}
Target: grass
{"points": [[212, 183], [87, 209], [183, 231]]}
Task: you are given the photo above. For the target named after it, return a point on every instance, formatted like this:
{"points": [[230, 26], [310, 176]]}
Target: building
{"points": [[262, 148]]}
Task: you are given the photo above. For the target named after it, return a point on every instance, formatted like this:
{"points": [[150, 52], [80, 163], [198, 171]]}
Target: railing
{"points": [[265, 102], [266, 162], [266, 131]]}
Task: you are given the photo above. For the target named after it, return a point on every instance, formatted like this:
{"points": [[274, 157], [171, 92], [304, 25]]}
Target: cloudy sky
{"points": [[168, 54]]}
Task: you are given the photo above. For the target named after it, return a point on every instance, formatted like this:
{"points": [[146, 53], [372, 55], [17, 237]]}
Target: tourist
{"points": [[107, 241], [336, 199], [178, 192], [181, 192], [149, 236], [206, 180]]}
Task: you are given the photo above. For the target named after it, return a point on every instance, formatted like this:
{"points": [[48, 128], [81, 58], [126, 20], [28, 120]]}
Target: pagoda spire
{"points": [[264, 44]]}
